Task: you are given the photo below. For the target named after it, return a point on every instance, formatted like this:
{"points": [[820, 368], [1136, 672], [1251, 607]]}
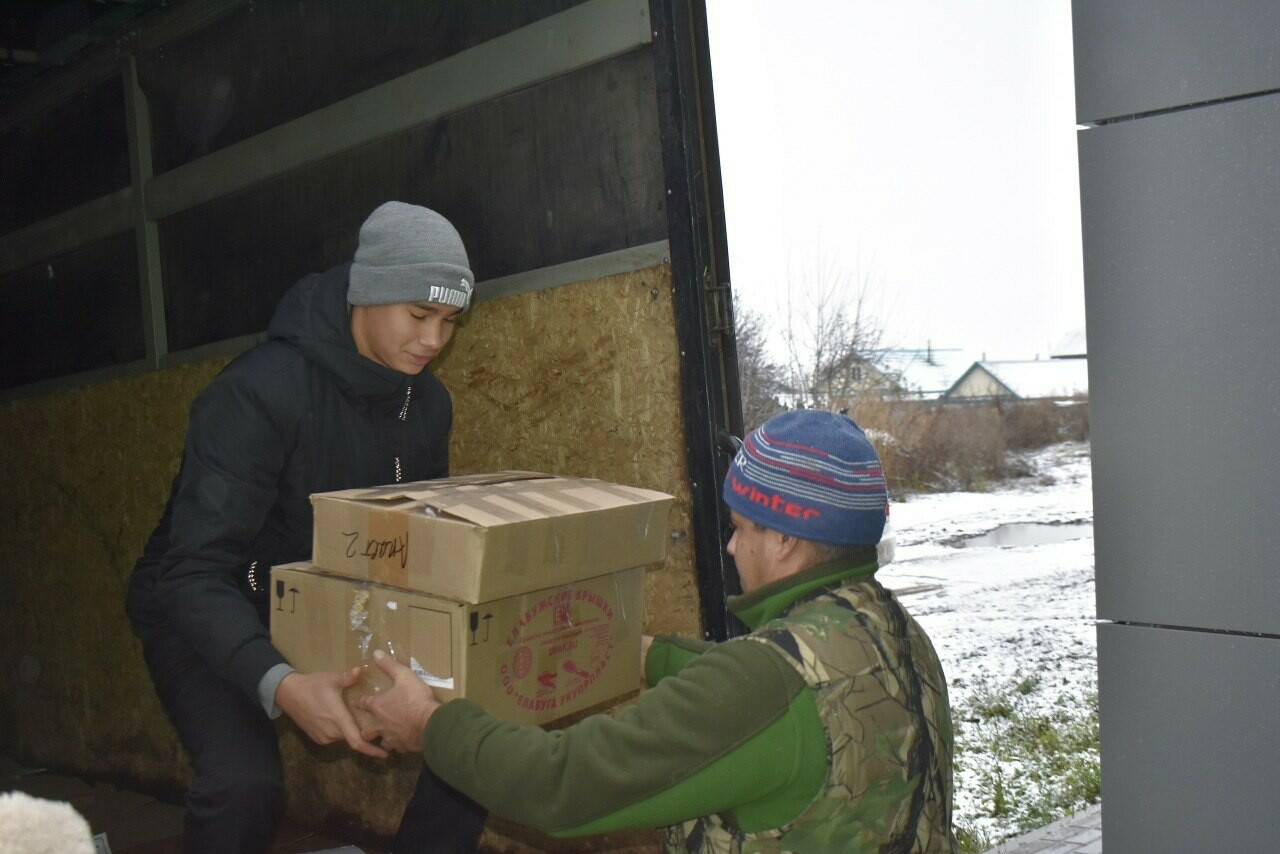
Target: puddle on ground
{"points": [[1029, 534]]}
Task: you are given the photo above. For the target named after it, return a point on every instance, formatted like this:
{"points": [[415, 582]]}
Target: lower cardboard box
{"points": [[530, 659]]}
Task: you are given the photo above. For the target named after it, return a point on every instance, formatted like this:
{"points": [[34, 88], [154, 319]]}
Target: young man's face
{"points": [[753, 548], [404, 336]]}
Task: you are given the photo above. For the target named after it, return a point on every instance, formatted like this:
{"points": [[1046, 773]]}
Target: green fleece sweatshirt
{"points": [[724, 728]]}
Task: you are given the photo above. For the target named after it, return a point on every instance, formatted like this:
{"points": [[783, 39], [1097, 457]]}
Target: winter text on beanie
{"points": [[409, 253], [810, 474]]}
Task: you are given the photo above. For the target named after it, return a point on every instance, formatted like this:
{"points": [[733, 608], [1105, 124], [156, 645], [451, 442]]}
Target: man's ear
{"points": [[787, 546], [796, 553]]}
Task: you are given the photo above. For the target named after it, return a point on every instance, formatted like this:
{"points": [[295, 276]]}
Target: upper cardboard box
{"points": [[487, 536]]}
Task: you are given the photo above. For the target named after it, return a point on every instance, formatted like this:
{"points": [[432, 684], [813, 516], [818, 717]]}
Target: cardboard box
{"points": [[485, 537], [529, 658]]}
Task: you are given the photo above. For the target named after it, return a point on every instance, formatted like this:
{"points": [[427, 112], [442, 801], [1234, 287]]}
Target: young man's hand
{"points": [[400, 714], [314, 702]]}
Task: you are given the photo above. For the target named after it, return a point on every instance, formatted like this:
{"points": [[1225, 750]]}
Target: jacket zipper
{"points": [[404, 416]]}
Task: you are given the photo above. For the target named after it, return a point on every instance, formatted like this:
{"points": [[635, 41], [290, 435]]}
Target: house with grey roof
{"points": [[1031, 379], [1064, 375]]}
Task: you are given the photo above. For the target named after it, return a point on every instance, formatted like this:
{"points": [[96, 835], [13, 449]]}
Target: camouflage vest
{"points": [[882, 698]]}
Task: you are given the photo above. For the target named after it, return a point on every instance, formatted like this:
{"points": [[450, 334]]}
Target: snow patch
{"points": [[1001, 615]]}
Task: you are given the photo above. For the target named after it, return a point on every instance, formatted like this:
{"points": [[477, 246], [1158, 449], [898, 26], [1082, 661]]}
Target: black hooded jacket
{"points": [[302, 413]]}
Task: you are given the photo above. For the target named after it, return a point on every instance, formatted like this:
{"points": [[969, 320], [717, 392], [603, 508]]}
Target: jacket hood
{"points": [[314, 318]]}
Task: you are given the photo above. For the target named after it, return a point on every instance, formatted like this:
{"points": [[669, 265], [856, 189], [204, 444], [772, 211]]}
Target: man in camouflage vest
{"points": [[826, 729]]}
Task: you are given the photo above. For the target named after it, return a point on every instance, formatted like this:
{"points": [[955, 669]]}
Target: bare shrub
{"points": [[1075, 419], [760, 379], [832, 333], [927, 446], [1029, 424], [1037, 423], [966, 447]]}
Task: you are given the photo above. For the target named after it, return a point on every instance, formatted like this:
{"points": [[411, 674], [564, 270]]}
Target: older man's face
{"points": [[753, 548]]}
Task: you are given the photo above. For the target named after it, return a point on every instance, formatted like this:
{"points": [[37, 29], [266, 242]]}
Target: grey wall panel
{"points": [[1181, 236], [1140, 56], [1190, 740]]}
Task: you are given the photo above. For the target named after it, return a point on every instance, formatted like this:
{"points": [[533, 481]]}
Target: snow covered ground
{"points": [[1002, 616]]}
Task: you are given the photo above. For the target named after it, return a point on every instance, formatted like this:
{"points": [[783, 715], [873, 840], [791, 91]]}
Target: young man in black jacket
{"points": [[339, 396]]}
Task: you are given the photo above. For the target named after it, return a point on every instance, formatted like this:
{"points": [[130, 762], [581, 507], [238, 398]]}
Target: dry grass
{"points": [[1034, 424], [932, 447]]}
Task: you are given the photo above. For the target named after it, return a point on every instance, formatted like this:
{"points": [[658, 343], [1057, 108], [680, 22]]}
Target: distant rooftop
{"points": [[1072, 346], [924, 373], [1024, 379]]}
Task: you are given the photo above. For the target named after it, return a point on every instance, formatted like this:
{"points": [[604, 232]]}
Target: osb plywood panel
{"points": [[84, 475], [582, 379]]}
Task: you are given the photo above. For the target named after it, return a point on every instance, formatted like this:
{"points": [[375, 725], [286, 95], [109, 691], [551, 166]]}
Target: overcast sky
{"points": [[928, 145]]}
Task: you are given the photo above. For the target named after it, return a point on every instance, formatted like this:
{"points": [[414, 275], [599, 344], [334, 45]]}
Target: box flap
{"points": [[392, 495], [528, 500], [521, 496]]}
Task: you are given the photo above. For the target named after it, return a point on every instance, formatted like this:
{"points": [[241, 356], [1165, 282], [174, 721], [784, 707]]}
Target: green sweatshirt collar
{"points": [[775, 598]]}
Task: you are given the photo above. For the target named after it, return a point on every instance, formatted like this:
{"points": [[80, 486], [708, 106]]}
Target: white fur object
{"points": [[888, 545], [36, 826]]}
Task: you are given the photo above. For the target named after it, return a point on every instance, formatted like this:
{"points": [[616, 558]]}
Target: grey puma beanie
{"points": [[409, 253]]}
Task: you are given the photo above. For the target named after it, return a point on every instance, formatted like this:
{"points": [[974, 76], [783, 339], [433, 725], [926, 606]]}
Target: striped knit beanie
{"points": [[810, 474]]}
